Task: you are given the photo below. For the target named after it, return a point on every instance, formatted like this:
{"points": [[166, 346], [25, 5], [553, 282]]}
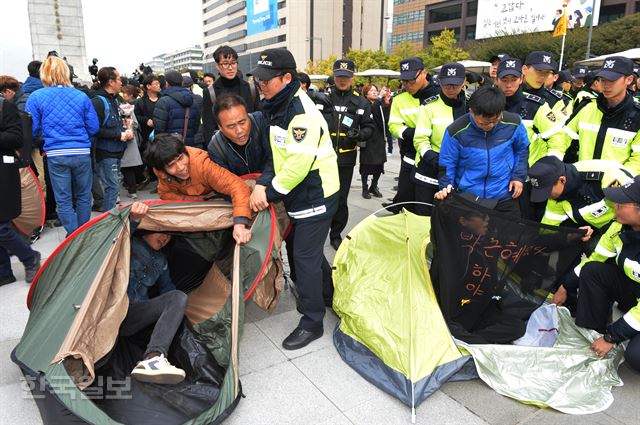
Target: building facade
{"points": [[417, 21], [310, 29], [58, 25], [187, 58]]}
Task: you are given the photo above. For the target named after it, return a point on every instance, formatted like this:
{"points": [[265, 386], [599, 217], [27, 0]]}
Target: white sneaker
{"points": [[158, 370], [132, 195]]}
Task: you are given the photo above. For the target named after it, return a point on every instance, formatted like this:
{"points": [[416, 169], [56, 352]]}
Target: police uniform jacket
{"points": [[602, 132]]}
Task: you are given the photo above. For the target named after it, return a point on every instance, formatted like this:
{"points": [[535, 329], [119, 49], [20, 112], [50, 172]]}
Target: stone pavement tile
{"points": [[9, 372], [14, 309], [257, 352], [553, 417], [337, 381], [338, 419], [281, 395], [626, 405], [17, 406], [278, 327], [482, 400], [439, 409]]}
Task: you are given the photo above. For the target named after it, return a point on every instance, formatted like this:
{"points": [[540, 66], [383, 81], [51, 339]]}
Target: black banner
{"points": [[492, 270]]}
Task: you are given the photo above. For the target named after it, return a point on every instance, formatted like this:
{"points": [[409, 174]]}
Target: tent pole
{"points": [[235, 313]]}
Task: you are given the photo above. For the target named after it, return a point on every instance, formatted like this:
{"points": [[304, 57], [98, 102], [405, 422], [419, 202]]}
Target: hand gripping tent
{"points": [[73, 360], [391, 329]]}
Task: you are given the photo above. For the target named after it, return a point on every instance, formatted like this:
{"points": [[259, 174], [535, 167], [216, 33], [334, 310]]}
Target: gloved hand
{"points": [[407, 135], [473, 77], [354, 137], [430, 159]]}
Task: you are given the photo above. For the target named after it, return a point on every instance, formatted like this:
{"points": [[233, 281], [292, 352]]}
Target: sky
{"points": [[120, 33]]}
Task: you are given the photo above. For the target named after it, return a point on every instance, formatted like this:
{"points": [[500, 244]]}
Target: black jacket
{"points": [[107, 139], [252, 158], [10, 141], [168, 116], [144, 112], [222, 86], [376, 151]]}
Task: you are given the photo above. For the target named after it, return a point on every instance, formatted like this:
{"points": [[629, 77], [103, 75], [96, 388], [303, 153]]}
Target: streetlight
{"points": [[315, 38]]}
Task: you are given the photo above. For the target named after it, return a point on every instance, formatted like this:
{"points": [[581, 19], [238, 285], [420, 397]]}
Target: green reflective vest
{"points": [[432, 121]]}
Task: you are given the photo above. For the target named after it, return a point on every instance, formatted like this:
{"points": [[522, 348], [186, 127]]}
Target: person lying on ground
{"points": [[187, 173], [148, 269]]}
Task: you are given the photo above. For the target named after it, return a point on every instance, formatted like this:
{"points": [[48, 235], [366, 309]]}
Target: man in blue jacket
{"points": [[174, 106], [484, 153]]}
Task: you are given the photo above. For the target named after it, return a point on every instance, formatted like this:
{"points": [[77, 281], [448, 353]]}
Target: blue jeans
{"points": [[71, 178], [109, 172], [11, 242]]}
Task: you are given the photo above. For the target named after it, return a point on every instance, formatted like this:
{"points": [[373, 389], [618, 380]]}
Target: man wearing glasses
{"points": [[402, 121], [229, 82], [306, 179]]}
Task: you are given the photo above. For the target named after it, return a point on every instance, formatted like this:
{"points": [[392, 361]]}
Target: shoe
{"points": [[375, 191], [144, 183], [133, 196], [7, 279], [158, 370], [365, 194], [335, 243], [300, 338], [96, 207], [30, 271]]}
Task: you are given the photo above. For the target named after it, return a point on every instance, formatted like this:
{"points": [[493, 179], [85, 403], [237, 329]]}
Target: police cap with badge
{"points": [[499, 57], [543, 175], [615, 67], [510, 66], [410, 68], [541, 61], [451, 74], [580, 72], [343, 68], [627, 194], [273, 62]]}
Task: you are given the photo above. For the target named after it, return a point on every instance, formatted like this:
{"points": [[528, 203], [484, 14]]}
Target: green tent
{"points": [[391, 329], [76, 365]]}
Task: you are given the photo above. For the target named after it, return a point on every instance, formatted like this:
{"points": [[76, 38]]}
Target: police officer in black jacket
{"points": [[350, 125]]}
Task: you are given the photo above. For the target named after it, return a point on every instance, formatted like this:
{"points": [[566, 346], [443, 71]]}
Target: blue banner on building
{"points": [[262, 15]]}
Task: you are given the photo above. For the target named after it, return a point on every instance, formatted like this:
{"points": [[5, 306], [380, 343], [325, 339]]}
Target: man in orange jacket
{"points": [[186, 173]]}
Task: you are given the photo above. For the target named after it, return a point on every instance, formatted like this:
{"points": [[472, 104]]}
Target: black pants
{"points": [[166, 311], [424, 194], [406, 187], [600, 285], [374, 180], [341, 216], [132, 176], [311, 269], [96, 188]]}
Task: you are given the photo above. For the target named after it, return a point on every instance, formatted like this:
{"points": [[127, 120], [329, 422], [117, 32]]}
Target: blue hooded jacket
{"points": [[30, 85], [483, 163], [168, 116]]}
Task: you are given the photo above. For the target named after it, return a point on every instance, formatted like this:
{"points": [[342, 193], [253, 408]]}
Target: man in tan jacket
{"points": [[186, 173]]}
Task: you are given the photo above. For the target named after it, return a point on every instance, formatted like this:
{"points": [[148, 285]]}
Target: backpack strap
{"points": [[254, 93], [186, 123], [212, 96], [107, 110]]}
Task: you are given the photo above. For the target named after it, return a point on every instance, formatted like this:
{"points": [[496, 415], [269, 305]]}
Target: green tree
{"points": [[443, 49], [321, 66]]}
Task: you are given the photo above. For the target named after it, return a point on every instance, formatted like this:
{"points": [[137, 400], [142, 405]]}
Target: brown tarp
{"points": [[33, 205]]}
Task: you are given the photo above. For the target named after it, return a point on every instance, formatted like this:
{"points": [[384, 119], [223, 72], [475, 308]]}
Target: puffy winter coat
{"points": [[168, 116]]}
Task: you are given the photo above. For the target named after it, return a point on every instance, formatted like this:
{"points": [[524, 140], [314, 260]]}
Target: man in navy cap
{"points": [[537, 67], [435, 115], [402, 121], [589, 92], [603, 281], [609, 127], [350, 126], [495, 61], [579, 74]]}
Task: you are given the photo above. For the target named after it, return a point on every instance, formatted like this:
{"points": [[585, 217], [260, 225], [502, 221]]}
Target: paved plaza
{"points": [[312, 385]]}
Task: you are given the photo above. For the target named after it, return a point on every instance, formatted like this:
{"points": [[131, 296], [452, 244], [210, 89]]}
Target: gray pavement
{"points": [[312, 385]]}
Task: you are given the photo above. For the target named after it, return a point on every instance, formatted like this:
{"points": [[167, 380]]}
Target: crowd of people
{"points": [[555, 146]]}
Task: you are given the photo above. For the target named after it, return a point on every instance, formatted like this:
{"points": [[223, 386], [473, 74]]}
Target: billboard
{"points": [[262, 15], [506, 17]]}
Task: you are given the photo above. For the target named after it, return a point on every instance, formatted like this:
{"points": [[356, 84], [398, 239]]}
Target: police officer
{"points": [[579, 74], [350, 126], [495, 61], [402, 121], [609, 127], [575, 191], [588, 92], [306, 179], [434, 116], [540, 121], [602, 282]]}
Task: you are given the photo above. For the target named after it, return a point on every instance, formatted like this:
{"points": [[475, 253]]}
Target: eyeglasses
{"points": [[228, 65], [412, 81], [265, 82]]}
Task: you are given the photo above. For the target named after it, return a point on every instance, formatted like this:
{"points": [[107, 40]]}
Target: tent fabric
{"points": [[78, 301], [388, 309], [569, 377], [32, 215]]}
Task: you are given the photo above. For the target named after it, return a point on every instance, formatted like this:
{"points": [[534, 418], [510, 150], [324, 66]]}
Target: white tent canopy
{"points": [[597, 61], [471, 65], [318, 77], [378, 73]]}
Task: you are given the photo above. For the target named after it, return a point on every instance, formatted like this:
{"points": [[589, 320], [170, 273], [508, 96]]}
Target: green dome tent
{"points": [[391, 329], [73, 360]]}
